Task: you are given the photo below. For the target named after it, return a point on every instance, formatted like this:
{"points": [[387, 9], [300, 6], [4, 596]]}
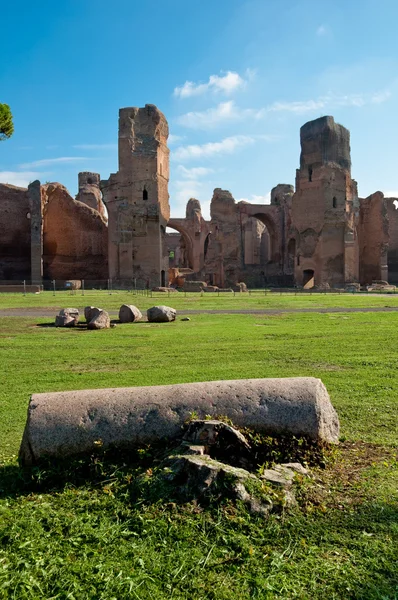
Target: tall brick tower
{"points": [[137, 199], [325, 207]]}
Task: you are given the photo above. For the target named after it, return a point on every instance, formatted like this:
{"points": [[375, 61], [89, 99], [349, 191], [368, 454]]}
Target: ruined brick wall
{"points": [[224, 257], [194, 232], [74, 237], [89, 192], [392, 256], [137, 199], [373, 239], [14, 233], [325, 207]]}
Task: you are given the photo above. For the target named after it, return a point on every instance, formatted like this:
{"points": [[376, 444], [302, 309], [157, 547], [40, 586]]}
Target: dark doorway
{"points": [[163, 278], [308, 279]]}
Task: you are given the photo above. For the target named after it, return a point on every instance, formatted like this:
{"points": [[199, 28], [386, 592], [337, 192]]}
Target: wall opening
{"points": [[309, 173], [144, 194], [308, 279], [334, 202], [163, 278]]}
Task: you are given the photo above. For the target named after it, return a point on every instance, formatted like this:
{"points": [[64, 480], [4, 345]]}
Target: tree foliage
{"points": [[6, 124]]}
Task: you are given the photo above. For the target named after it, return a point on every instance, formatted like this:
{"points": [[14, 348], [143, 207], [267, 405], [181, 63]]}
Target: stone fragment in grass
{"points": [[67, 317], [129, 313], [220, 440], [161, 314], [200, 477], [185, 319], [281, 477], [99, 319], [297, 467], [88, 312]]}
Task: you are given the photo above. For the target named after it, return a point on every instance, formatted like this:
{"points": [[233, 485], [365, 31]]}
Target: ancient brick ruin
{"points": [[319, 233]]}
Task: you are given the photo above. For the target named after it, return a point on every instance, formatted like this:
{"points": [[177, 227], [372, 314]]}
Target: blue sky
{"points": [[235, 78]]}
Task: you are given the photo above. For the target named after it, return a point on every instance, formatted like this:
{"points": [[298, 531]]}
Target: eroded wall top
{"points": [[324, 141]]}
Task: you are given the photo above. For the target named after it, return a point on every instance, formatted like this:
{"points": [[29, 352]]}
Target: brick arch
{"points": [[178, 225]]}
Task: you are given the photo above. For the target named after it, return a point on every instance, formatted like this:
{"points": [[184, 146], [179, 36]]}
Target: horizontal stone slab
{"points": [[61, 424]]}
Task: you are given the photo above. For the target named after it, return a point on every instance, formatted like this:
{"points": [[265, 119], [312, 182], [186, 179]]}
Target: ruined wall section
{"points": [[224, 257], [391, 205], [89, 192], [14, 233], [137, 199], [373, 239], [325, 207], [74, 237]]}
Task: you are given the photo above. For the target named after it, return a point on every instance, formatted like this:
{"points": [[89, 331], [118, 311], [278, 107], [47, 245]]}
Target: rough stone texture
{"points": [[325, 207], [75, 237], [373, 239], [220, 441], [89, 312], [99, 319], [129, 313], [137, 199], [64, 321], [194, 286], [90, 193], [14, 233], [73, 313], [35, 194], [392, 254], [65, 423], [161, 314]]}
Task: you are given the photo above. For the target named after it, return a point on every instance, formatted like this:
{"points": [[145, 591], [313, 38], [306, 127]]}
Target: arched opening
{"points": [[270, 250], [206, 245], [144, 194], [308, 279], [334, 202], [179, 248], [309, 173]]}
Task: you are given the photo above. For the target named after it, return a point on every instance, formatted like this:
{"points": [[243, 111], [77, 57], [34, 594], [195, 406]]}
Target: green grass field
{"points": [[89, 533], [257, 299]]}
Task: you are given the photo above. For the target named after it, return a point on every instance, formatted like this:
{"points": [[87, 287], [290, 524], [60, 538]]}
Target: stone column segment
{"points": [[60, 424]]}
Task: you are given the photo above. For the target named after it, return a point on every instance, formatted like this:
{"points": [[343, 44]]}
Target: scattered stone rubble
{"points": [[215, 459]]}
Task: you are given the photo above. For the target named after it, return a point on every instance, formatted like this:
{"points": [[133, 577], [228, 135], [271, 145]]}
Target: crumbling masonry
{"points": [[319, 233]]}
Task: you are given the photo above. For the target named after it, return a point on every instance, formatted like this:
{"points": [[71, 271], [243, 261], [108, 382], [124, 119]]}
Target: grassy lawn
{"points": [[196, 301], [93, 534]]}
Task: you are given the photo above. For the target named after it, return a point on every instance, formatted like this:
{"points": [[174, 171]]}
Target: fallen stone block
{"points": [[66, 423], [88, 312], [99, 319], [129, 313], [67, 317], [161, 314]]}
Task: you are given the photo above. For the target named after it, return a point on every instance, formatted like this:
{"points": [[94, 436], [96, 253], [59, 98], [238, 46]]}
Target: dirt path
{"points": [[41, 312]]}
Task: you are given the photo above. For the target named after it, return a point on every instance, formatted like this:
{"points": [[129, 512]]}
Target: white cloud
{"points": [[52, 161], [173, 139], [226, 84], [380, 97], [96, 146], [19, 178], [329, 101], [182, 191], [194, 172], [223, 112], [226, 146], [255, 199]]}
